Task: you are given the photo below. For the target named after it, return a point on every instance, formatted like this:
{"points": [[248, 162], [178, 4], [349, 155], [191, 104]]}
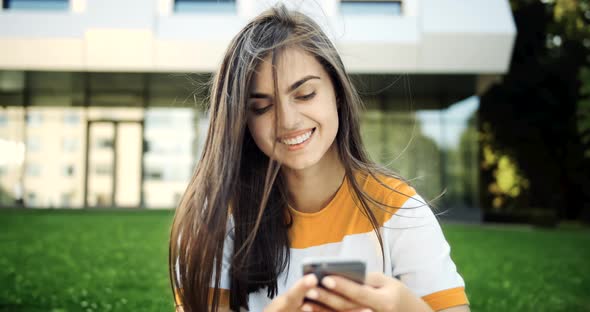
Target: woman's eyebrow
{"points": [[295, 85], [300, 82], [259, 96]]}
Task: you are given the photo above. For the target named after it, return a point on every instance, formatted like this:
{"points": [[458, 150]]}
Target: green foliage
{"points": [[572, 20], [572, 17], [583, 114], [508, 181], [537, 117], [117, 261]]}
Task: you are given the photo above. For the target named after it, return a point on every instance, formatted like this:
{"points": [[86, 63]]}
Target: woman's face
{"points": [[306, 112]]}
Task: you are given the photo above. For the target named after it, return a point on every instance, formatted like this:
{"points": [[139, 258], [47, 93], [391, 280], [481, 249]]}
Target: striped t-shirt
{"points": [[415, 249]]}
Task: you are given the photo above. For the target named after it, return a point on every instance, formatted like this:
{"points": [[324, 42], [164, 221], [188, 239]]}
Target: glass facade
{"points": [[205, 6], [435, 149], [59, 5], [99, 163], [361, 7], [169, 158], [131, 140]]}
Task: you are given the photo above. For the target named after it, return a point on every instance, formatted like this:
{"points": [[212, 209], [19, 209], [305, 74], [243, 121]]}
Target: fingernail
{"points": [[306, 308], [310, 280], [312, 294], [329, 282]]}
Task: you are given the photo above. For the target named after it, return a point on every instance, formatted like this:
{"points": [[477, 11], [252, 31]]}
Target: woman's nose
{"points": [[288, 115]]}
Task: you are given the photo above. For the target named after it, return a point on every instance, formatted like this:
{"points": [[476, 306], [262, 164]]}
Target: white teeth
{"points": [[298, 139]]}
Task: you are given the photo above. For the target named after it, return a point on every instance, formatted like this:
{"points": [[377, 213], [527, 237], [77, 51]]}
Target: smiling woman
{"points": [[284, 176], [304, 110]]}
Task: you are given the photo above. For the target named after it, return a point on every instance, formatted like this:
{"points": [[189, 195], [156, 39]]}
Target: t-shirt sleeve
{"points": [[228, 249], [224, 283], [421, 256]]}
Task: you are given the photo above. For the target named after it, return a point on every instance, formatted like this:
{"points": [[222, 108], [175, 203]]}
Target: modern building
{"points": [[102, 101]]}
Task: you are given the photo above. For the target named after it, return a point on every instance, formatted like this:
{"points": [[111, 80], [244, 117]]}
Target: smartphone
{"points": [[352, 269]]}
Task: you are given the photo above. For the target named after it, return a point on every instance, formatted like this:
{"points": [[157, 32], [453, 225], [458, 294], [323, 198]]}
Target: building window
{"points": [[3, 120], [31, 199], [103, 169], [70, 144], [104, 143], [66, 199], [59, 5], [33, 144], [169, 173], [205, 6], [371, 7], [68, 171], [154, 174], [34, 119], [71, 119], [33, 170], [157, 119]]}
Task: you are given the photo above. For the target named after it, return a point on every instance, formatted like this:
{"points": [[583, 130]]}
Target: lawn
{"points": [[116, 261]]}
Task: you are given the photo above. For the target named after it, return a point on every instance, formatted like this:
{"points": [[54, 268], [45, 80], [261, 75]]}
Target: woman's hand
{"points": [[380, 293], [292, 300]]}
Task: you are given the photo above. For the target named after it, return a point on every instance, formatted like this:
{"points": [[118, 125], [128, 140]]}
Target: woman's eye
{"points": [[306, 96], [260, 111]]}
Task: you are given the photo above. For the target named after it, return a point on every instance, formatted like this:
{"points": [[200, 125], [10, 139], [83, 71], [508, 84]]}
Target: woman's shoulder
{"points": [[389, 194], [385, 186]]}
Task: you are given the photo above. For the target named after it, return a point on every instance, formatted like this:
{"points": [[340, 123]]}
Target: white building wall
{"points": [[432, 36]]}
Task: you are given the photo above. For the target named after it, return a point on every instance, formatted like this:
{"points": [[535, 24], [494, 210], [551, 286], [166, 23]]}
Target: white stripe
{"points": [[414, 245]]}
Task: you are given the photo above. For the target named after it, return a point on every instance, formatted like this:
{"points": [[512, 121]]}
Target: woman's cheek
{"points": [[262, 135]]}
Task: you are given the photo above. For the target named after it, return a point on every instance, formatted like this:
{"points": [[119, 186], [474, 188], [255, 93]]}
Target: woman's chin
{"points": [[298, 164]]}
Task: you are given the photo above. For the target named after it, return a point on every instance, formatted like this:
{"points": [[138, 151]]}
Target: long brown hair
{"points": [[234, 177]]}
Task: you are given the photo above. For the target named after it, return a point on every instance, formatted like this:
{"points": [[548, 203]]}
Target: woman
{"points": [[284, 175]]}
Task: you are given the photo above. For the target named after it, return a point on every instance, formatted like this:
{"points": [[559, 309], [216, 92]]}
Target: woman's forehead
{"points": [[292, 65]]}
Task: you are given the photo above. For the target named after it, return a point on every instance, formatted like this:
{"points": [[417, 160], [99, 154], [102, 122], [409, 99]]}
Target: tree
{"points": [[533, 121]]}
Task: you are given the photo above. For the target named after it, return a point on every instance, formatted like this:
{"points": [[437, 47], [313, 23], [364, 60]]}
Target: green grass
{"points": [[117, 261], [84, 261], [523, 269]]}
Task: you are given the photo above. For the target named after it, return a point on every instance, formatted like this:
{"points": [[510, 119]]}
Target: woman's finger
{"points": [[296, 294], [363, 295], [314, 307], [330, 299], [376, 279], [292, 299]]}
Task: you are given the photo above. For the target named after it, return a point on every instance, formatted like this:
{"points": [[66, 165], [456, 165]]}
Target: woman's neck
{"points": [[311, 189]]}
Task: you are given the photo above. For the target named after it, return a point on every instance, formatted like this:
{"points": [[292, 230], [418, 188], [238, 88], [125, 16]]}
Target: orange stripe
{"points": [[177, 299], [223, 297], [341, 217], [447, 298]]}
